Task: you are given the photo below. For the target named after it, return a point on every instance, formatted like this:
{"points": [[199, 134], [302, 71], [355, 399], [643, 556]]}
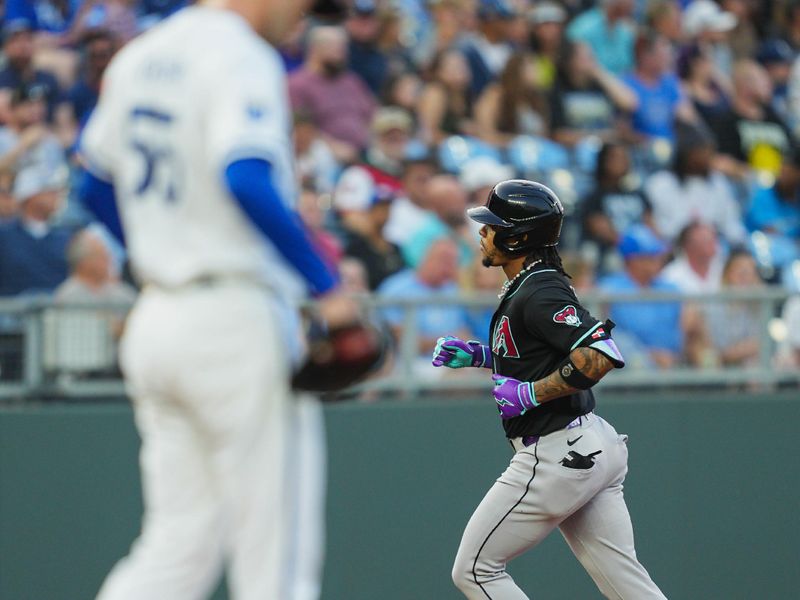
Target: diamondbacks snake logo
{"points": [[568, 316]]}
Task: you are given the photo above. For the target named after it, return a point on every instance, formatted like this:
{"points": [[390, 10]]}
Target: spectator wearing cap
{"points": [[546, 20], [697, 267], [333, 96], [777, 57], [362, 235], [447, 200], [446, 102], [365, 57], [751, 134], [32, 251], [410, 210], [383, 161], [649, 333], [614, 205], [586, 98], [488, 49], [513, 105], [435, 275], [608, 30], [18, 48], [774, 211], [693, 191], [660, 100], [26, 140], [706, 24], [706, 88]]}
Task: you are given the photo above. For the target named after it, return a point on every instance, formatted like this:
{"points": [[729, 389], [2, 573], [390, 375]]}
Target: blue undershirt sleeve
{"points": [[98, 196], [250, 182]]}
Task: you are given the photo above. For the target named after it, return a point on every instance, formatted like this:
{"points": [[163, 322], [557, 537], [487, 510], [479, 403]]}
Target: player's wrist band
{"points": [[531, 394], [570, 374], [482, 356]]}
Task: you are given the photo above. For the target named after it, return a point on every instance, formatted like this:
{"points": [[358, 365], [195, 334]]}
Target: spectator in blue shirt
{"points": [[435, 276], [489, 49], [651, 333], [446, 197], [32, 251], [660, 100], [609, 32], [18, 48], [775, 211]]}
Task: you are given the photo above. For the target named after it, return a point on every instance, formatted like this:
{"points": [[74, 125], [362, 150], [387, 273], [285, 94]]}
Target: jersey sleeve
{"points": [[99, 138], [248, 114], [554, 313]]}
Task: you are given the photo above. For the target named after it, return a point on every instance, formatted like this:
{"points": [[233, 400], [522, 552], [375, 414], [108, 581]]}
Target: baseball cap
{"points": [[483, 172], [706, 15], [357, 190], [36, 179], [547, 12], [639, 240], [773, 52], [389, 118]]}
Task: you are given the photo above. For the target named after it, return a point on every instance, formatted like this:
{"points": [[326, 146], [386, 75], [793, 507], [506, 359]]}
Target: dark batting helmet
{"points": [[516, 207]]}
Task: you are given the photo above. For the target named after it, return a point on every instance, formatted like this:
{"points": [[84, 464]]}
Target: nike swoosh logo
{"points": [[572, 442]]}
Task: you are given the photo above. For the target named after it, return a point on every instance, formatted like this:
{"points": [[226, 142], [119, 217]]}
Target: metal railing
{"points": [[52, 350]]}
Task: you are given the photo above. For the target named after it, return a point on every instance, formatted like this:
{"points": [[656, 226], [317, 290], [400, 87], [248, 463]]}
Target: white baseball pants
{"points": [[207, 371], [536, 494]]}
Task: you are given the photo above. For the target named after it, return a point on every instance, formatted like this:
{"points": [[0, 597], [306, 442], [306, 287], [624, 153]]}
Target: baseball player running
{"points": [[190, 140], [546, 353]]}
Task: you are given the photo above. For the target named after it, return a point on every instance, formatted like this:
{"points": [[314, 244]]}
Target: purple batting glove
{"points": [[513, 397], [455, 353]]}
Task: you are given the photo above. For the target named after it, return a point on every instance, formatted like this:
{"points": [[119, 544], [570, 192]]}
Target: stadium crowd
{"points": [[669, 128]]}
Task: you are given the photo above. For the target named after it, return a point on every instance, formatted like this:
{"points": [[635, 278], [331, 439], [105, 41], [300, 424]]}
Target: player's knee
{"points": [[462, 574]]}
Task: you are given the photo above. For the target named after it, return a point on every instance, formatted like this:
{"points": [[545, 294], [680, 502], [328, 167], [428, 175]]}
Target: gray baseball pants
{"points": [[559, 481]]}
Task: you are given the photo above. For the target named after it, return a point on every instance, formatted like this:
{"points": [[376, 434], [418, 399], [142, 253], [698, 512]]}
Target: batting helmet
{"points": [[516, 207]]}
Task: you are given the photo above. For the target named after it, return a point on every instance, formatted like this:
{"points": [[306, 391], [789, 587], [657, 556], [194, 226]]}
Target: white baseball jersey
{"points": [[177, 106]]}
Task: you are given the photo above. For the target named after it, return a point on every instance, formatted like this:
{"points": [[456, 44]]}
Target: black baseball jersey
{"points": [[538, 323]]}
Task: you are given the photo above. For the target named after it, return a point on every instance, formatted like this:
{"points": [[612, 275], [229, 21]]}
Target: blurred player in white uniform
{"points": [[189, 156]]}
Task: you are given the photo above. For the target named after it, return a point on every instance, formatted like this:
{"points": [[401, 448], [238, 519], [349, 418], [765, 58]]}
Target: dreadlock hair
{"points": [[550, 258]]}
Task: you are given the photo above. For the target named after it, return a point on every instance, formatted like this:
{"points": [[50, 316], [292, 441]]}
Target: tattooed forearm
{"points": [[588, 361], [551, 387], [591, 363]]}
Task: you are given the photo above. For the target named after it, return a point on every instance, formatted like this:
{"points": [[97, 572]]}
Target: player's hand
{"points": [[455, 353], [513, 397]]}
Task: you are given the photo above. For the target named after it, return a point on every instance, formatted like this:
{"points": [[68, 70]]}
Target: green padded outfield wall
{"points": [[714, 490]]}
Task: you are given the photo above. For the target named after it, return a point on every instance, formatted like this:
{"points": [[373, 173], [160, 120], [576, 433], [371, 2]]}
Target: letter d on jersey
{"points": [[503, 342]]}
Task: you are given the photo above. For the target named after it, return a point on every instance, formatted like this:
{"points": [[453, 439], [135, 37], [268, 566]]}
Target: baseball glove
{"points": [[341, 357]]}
